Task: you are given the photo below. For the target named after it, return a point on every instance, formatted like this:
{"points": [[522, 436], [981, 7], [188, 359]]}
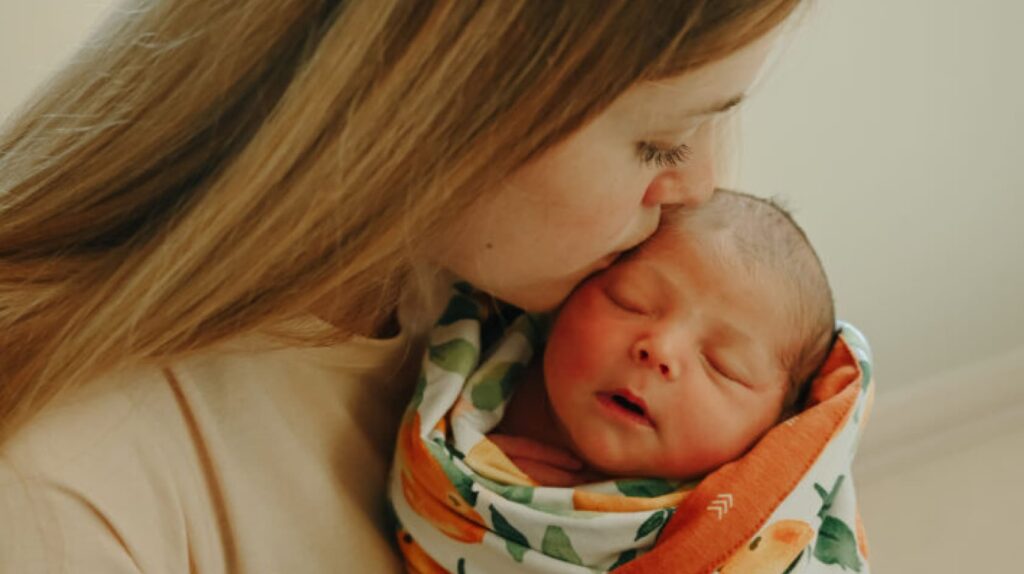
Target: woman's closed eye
{"points": [[651, 154]]}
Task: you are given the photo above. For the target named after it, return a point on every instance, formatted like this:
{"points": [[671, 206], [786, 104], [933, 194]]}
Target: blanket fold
{"points": [[787, 506]]}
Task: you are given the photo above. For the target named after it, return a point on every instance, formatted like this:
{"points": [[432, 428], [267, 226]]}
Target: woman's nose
{"points": [[690, 189], [650, 353], [690, 184]]}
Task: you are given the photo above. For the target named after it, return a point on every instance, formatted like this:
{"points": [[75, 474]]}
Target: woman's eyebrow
{"points": [[720, 107], [715, 108]]}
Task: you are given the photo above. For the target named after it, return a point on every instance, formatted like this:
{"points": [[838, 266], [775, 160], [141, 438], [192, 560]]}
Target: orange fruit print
{"points": [[422, 477]]}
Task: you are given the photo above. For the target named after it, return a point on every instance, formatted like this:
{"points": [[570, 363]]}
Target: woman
{"points": [[219, 227]]}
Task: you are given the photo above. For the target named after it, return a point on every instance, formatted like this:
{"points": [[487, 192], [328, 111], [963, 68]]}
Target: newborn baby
{"points": [[655, 373], [677, 358]]}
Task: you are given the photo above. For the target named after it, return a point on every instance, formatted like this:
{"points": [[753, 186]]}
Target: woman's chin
{"points": [[540, 297], [545, 295]]}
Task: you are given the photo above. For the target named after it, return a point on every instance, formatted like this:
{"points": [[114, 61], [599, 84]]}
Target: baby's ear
{"points": [[794, 401], [832, 378], [839, 370]]}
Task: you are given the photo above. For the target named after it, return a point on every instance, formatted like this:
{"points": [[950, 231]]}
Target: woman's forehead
{"points": [[713, 88]]}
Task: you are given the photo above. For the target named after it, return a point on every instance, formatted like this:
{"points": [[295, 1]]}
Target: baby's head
{"points": [[677, 358]]}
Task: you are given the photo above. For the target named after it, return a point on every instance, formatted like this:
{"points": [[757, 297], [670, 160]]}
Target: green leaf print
{"points": [[669, 512], [654, 522], [836, 544], [513, 492], [645, 487], [516, 550], [524, 326], [459, 307], [626, 556], [496, 385], [515, 542], [456, 356], [517, 493], [828, 497], [556, 544], [462, 483]]}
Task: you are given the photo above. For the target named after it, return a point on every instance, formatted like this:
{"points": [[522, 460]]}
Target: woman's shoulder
{"points": [[97, 428], [151, 468], [94, 479], [133, 421]]}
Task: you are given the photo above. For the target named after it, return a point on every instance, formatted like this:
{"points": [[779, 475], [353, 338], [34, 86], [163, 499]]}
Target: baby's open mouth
{"points": [[626, 404]]}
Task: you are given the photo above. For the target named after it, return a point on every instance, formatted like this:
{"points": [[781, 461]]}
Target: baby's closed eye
{"points": [[627, 302]]}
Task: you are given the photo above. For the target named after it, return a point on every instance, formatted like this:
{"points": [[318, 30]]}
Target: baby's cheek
{"points": [[569, 363], [699, 455], [579, 350]]}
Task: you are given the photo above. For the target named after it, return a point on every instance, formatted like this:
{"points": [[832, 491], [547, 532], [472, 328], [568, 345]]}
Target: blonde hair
{"points": [[207, 168]]}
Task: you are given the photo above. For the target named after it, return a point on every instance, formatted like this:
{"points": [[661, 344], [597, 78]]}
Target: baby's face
{"points": [[668, 363]]}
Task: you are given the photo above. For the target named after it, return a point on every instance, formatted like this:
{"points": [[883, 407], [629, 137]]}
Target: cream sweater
{"points": [[240, 460]]}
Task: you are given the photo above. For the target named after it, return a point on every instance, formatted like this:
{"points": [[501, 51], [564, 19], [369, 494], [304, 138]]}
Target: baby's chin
{"points": [[614, 462], [625, 464]]}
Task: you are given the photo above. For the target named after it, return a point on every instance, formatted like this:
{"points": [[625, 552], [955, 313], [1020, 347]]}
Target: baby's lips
{"points": [[627, 404], [632, 398]]}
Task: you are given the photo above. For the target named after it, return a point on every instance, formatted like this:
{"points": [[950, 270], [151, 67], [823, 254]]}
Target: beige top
{"points": [[242, 460]]}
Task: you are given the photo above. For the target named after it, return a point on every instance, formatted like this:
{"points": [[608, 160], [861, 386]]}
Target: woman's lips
{"points": [[607, 260], [624, 404], [611, 258]]}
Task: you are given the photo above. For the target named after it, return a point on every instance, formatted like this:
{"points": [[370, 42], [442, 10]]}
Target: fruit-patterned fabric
{"points": [[461, 506]]}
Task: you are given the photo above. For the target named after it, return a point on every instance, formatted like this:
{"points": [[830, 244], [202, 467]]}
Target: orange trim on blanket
{"points": [[728, 507]]}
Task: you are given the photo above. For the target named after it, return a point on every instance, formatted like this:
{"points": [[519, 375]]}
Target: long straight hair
{"points": [[207, 168]]}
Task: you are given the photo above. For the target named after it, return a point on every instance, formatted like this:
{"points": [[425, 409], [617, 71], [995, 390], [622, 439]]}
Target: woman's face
{"points": [[572, 210]]}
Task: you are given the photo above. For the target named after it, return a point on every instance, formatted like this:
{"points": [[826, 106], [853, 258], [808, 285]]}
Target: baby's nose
{"points": [[647, 354]]}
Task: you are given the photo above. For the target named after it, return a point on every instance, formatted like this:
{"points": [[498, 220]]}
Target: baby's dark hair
{"points": [[766, 238]]}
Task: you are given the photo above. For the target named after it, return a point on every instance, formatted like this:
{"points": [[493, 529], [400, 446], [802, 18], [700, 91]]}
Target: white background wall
{"points": [[893, 128]]}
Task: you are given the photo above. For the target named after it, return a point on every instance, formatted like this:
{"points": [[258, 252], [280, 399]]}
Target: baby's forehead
{"points": [[688, 248], [717, 263]]}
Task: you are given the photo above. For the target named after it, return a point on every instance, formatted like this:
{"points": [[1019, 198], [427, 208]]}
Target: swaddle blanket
{"points": [[461, 506]]}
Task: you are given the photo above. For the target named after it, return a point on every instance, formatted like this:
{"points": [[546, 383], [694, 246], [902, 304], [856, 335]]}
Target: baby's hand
{"points": [[545, 464]]}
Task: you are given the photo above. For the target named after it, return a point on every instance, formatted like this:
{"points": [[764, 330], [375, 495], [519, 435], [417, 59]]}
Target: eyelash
{"points": [[718, 368], [715, 367], [651, 154]]}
